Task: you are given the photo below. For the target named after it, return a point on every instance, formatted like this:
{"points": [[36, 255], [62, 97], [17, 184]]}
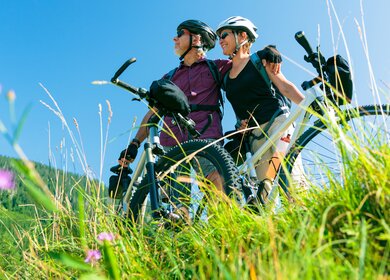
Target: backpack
{"points": [[217, 78], [340, 78], [255, 59]]}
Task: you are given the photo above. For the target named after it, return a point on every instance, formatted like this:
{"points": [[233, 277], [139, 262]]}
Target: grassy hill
{"points": [[57, 181], [21, 214]]}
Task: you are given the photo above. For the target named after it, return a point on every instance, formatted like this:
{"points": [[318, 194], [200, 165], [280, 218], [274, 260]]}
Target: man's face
{"points": [[182, 41]]}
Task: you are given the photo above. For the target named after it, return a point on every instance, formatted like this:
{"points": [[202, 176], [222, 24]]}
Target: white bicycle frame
{"points": [[297, 116], [140, 169]]}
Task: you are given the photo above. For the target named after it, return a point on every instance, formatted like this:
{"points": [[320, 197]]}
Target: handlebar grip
{"points": [[123, 68], [301, 39]]}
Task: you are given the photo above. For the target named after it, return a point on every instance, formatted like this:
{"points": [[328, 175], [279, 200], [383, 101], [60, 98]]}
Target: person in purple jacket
{"points": [[193, 76]]}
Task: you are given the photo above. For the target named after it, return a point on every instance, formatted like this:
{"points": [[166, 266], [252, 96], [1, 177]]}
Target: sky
{"points": [[61, 47]]}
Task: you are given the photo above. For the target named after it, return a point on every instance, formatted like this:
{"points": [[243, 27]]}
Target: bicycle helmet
{"points": [[238, 23], [198, 27]]}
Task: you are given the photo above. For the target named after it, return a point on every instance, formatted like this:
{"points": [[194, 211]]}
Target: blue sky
{"points": [[65, 45]]}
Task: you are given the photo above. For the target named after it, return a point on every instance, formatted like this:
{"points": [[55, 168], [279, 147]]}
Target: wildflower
{"points": [[6, 180], [108, 236], [93, 256]]}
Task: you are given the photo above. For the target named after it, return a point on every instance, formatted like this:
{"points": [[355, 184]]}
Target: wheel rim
{"points": [[323, 159]]}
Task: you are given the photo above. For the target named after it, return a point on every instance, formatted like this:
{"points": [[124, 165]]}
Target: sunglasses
{"points": [[180, 33], [224, 35]]}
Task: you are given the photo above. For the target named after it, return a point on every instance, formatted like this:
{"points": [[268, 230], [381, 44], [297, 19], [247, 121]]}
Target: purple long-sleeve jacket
{"points": [[198, 84]]}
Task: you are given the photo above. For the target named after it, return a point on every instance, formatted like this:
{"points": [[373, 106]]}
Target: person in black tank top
{"points": [[252, 99], [251, 96]]}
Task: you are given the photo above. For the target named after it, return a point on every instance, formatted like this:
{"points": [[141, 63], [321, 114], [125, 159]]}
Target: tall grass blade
{"points": [[18, 129], [110, 261], [363, 248]]}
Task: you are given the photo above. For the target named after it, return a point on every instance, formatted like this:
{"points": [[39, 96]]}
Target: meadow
{"points": [[56, 225], [59, 225]]}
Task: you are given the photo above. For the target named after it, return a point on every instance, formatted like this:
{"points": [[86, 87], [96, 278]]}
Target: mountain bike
{"points": [[168, 177], [321, 142]]}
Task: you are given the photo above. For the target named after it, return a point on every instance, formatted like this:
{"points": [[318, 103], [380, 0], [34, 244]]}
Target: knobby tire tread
{"points": [[215, 153]]}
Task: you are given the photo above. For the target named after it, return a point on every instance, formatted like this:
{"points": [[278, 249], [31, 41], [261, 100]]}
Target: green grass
{"points": [[337, 233]]}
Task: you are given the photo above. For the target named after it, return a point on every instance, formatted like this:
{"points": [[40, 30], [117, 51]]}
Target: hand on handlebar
{"points": [[128, 155]]}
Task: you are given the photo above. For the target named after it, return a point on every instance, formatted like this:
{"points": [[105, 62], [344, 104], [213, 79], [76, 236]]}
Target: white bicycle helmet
{"points": [[238, 23]]}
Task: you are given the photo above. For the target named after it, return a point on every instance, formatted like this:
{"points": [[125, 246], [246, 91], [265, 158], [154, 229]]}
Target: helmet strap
{"points": [[238, 45], [188, 50]]}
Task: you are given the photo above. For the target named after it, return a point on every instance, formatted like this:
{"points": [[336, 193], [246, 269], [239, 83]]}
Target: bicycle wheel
{"points": [[182, 171], [318, 156]]}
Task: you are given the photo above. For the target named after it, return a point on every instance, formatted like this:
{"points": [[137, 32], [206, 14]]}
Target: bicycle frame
{"points": [[146, 162], [300, 116]]}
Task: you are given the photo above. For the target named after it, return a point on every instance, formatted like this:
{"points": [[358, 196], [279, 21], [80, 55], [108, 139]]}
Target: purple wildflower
{"points": [[108, 236], [93, 256], [6, 180]]}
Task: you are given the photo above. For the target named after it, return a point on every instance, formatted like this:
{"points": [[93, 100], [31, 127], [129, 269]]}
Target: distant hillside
{"points": [[59, 183]]}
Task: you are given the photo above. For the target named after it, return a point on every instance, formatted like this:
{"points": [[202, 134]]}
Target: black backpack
{"points": [[340, 78], [217, 78]]}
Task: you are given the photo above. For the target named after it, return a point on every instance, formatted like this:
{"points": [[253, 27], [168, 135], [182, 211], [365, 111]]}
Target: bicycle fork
{"points": [[152, 148]]}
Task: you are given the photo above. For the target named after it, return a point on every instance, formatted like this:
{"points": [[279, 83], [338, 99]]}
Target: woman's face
{"points": [[227, 41]]}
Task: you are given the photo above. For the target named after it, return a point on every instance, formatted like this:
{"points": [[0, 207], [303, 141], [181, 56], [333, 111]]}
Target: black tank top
{"points": [[250, 96]]}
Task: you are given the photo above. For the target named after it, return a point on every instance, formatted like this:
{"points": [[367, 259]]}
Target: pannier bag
{"points": [[119, 182], [169, 97], [118, 186], [340, 78]]}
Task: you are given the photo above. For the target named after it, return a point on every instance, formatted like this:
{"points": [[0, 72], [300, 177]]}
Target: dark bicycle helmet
{"points": [[198, 27]]}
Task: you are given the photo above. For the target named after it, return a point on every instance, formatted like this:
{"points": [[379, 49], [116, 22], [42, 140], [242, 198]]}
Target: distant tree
{"points": [[61, 184]]}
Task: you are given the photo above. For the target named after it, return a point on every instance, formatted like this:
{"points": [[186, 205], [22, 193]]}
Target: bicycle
{"points": [[169, 175], [307, 142], [312, 140]]}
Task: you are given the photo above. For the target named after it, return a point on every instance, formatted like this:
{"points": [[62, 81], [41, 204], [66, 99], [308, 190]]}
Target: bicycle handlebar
{"points": [[144, 94], [315, 58], [141, 92], [301, 39], [123, 68]]}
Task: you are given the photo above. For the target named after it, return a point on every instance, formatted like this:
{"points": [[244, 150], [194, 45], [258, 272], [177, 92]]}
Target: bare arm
{"points": [[287, 88]]}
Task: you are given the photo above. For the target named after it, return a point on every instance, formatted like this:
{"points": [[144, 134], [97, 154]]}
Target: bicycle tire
{"points": [[319, 153], [215, 154]]}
